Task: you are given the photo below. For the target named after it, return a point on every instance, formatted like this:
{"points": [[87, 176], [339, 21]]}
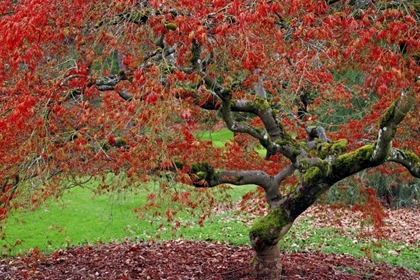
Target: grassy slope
{"points": [[77, 219]]}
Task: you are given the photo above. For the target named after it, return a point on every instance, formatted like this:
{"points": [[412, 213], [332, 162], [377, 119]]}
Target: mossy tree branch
{"points": [[406, 158], [207, 176], [319, 175], [223, 93], [388, 126]]}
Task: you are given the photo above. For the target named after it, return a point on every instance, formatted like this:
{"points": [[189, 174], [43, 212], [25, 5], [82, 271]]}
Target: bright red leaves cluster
{"points": [[55, 122]]}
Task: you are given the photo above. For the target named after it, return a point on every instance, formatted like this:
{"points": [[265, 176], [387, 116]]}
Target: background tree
{"points": [[92, 88]]}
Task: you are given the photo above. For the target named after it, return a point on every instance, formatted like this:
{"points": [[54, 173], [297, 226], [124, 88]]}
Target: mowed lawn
{"points": [[77, 219]]}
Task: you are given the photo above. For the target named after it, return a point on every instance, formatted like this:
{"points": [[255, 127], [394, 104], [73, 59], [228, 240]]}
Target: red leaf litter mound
{"points": [[186, 260]]}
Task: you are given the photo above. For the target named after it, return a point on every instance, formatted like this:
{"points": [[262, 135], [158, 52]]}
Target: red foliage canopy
{"points": [[89, 88]]}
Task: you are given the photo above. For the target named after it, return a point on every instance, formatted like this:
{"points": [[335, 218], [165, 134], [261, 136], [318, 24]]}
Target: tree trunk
{"points": [[265, 235], [267, 264]]}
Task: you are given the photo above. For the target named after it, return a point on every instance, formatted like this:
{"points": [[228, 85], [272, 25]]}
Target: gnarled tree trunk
{"points": [[266, 264], [265, 235]]}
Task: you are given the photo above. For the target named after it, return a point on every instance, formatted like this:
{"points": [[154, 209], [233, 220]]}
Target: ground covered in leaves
{"points": [[203, 260], [186, 260]]}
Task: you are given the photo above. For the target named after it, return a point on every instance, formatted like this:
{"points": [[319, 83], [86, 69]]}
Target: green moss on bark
{"points": [[269, 227], [288, 141], [412, 157], [347, 161], [202, 174], [282, 142], [204, 171], [313, 175], [337, 147], [262, 104]]}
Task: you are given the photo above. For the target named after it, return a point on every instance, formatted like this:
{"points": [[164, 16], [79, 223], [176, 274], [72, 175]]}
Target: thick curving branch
{"points": [[319, 175], [203, 175], [223, 93], [374, 154], [239, 178], [317, 132], [406, 158], [388, 126]]}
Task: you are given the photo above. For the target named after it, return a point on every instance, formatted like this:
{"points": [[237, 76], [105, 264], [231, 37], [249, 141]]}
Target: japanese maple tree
{"points": [[91, 88]]}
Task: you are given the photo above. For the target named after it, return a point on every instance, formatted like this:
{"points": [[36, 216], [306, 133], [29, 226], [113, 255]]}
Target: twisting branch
{"points": [[223, 93], [108, 82], [406, 158], [281, 176], [13, 189], [388, 126], [274, 139], [372, 155], [237, 178], [205, 176], [317, 132], [319, 175]]}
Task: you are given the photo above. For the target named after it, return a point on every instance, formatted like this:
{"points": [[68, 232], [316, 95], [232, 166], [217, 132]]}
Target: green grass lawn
{"points": [[77, 219]]}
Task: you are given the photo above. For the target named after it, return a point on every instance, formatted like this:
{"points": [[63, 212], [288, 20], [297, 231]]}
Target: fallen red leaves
{"points": [[401, 225], [186, 260]]}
